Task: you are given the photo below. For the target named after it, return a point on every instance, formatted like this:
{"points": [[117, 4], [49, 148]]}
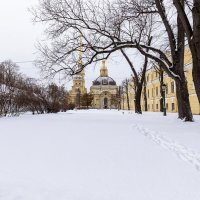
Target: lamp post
{"points": [[164, 104]]}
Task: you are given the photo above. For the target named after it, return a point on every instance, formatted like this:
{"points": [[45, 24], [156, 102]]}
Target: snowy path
{"points": [[96, 155], [184, 153]]}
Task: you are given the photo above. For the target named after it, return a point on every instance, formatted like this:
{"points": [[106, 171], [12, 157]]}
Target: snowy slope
{"points": [[99, 155]]}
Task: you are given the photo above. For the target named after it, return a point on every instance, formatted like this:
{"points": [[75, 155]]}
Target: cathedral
{"points": [[104, 90]]}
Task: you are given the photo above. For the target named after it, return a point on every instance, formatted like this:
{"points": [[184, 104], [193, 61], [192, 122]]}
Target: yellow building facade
{"points": [[153, 90], [78, 89]]}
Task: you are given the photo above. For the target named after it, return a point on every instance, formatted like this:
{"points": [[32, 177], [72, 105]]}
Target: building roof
{"points": [[104, 80]]}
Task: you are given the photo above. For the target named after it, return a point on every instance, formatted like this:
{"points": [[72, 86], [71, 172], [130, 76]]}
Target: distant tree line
{"points": [[20, 94]]}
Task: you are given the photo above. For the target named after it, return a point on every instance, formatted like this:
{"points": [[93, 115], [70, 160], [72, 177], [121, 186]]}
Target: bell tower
{"points": [[78, 87]]}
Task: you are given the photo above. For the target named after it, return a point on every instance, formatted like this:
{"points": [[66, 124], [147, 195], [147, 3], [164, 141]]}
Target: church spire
{"points": [[80, 59], [80, 62], [104, 69]]}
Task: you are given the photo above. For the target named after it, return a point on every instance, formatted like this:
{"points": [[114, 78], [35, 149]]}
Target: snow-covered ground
{"points": [[99, 155]]}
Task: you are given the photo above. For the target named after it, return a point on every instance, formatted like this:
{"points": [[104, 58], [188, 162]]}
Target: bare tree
{"points": [[174, 69], [177, 48], [192, 30], [139, 77], [8, 90]]}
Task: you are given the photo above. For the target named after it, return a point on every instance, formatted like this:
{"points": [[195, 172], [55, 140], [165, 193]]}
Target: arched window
{"points": [[105, 82]]}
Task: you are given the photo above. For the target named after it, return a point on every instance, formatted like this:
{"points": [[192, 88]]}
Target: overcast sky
{"points": [[18, 36]]}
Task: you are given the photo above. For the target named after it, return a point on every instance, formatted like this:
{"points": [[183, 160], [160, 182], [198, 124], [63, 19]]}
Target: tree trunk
{"points": [[196, 74], [184, 109], [177, 53], [193, 36], [127, 94], [195, 47], [127, 98], [145, 96], [138, 93]]}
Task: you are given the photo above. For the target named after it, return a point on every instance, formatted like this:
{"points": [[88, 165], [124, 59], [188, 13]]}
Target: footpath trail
{"points": [[184, 153], [91, 155]]}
